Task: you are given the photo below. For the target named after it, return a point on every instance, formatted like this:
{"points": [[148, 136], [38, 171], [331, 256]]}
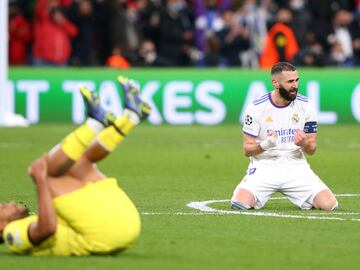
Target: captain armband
{"points": [[310, 127]]}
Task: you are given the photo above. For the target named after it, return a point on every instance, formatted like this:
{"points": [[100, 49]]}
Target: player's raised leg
{"points": [[63, 156], [136, 111]]}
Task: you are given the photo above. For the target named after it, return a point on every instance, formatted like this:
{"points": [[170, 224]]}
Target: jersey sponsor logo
{"points": [[295, 118], [248, 120], [285, 135], [269, 120], [283, 132], [9, 239]]}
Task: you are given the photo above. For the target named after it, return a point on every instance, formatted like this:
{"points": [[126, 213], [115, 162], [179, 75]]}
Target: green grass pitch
{"points": [[163, 168]]}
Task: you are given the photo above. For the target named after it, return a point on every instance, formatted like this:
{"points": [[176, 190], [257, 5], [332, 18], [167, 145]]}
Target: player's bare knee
{"points": [[242, 199], [326, 201], [329, 205]]}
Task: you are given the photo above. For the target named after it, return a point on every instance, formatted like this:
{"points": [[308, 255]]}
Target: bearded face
{"points": [[288, 94], [287, 84]]}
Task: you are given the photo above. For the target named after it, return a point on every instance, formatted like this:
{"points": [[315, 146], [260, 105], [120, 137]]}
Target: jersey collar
{"points": [[276, 106]]}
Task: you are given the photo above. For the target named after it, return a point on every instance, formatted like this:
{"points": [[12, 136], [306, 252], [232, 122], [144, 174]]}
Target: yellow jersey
{"points": [[96, 219]]}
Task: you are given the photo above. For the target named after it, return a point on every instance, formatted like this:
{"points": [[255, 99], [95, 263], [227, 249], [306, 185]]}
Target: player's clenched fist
{"points": [[299, 137], [270, 141]]}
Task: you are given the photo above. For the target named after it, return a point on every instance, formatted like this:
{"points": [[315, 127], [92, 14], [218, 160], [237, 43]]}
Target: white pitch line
{"points": [[203, 207], [263, 214], [207, 210], [178, 214], [336, 195], [234, 213], [14, 145]]}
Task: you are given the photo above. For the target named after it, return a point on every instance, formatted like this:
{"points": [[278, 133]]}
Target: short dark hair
{"points": [[282, 66]]}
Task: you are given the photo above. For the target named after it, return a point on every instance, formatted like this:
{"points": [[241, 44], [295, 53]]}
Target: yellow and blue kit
{"points": [[96, 219]]}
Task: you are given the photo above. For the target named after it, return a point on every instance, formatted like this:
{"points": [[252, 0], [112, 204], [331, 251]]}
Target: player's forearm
{"points": [[252, 149], [46, 225], [309, 148], [47, 214]]}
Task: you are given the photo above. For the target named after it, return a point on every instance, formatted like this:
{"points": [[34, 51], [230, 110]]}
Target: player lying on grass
{"points": [[80, 210], [279, 128]]}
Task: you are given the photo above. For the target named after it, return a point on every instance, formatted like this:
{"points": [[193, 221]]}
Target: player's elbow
{"points": [[48, 229], [41, 232], [247, 153]]}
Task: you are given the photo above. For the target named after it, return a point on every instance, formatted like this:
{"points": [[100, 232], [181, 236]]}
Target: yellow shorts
{"points": [[102, 214]]}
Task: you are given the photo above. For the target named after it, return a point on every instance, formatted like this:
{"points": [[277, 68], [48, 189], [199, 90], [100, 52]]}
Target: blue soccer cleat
{"points": [[94, 109], [133, 100]]}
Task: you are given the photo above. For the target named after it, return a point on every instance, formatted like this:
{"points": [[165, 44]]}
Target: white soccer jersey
{"points": [[262, 115]]}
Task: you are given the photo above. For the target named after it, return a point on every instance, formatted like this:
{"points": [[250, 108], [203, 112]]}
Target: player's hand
{"points": [[270, 141], [300, 137], [38, 169]]}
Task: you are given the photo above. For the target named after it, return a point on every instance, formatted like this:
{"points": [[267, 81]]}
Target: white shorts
{"points": [[296, 180]]}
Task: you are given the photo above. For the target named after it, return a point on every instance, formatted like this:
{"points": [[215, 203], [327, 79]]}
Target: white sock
{"points": [[95, 125], [134, 118]]}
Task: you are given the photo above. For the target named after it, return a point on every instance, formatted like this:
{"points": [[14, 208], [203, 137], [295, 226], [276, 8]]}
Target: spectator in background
{"points": [[101, 31], [254, 18], [148, 17], [19, 35], [175, 33], [337, 56], [312, 53], [356, 34], [280, 44], [124, 32], [182, 40], [148, 56], [357, 10], [234, 39], [81, 14], [208, 22], [117, 60], [301, 20], [341, 40], [52, 33]]}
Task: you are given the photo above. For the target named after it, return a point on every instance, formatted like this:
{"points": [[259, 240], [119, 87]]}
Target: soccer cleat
{"points": [[133, 100], [94, 108]]}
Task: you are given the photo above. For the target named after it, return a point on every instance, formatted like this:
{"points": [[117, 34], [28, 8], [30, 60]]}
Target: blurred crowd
{"points": [[202, 33]]}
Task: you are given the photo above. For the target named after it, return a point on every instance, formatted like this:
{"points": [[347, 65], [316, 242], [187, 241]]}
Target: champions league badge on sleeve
{"points": [[248, 120]]}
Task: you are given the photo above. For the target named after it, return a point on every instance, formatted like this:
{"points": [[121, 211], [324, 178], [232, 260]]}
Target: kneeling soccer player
{"points": [[80, 210], [279, 129]]}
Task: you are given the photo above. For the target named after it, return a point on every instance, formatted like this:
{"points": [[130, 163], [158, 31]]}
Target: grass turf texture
{"points": [[164, 168]]}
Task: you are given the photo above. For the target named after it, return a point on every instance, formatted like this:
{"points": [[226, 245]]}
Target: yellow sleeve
{"points": [[16, 235]]}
